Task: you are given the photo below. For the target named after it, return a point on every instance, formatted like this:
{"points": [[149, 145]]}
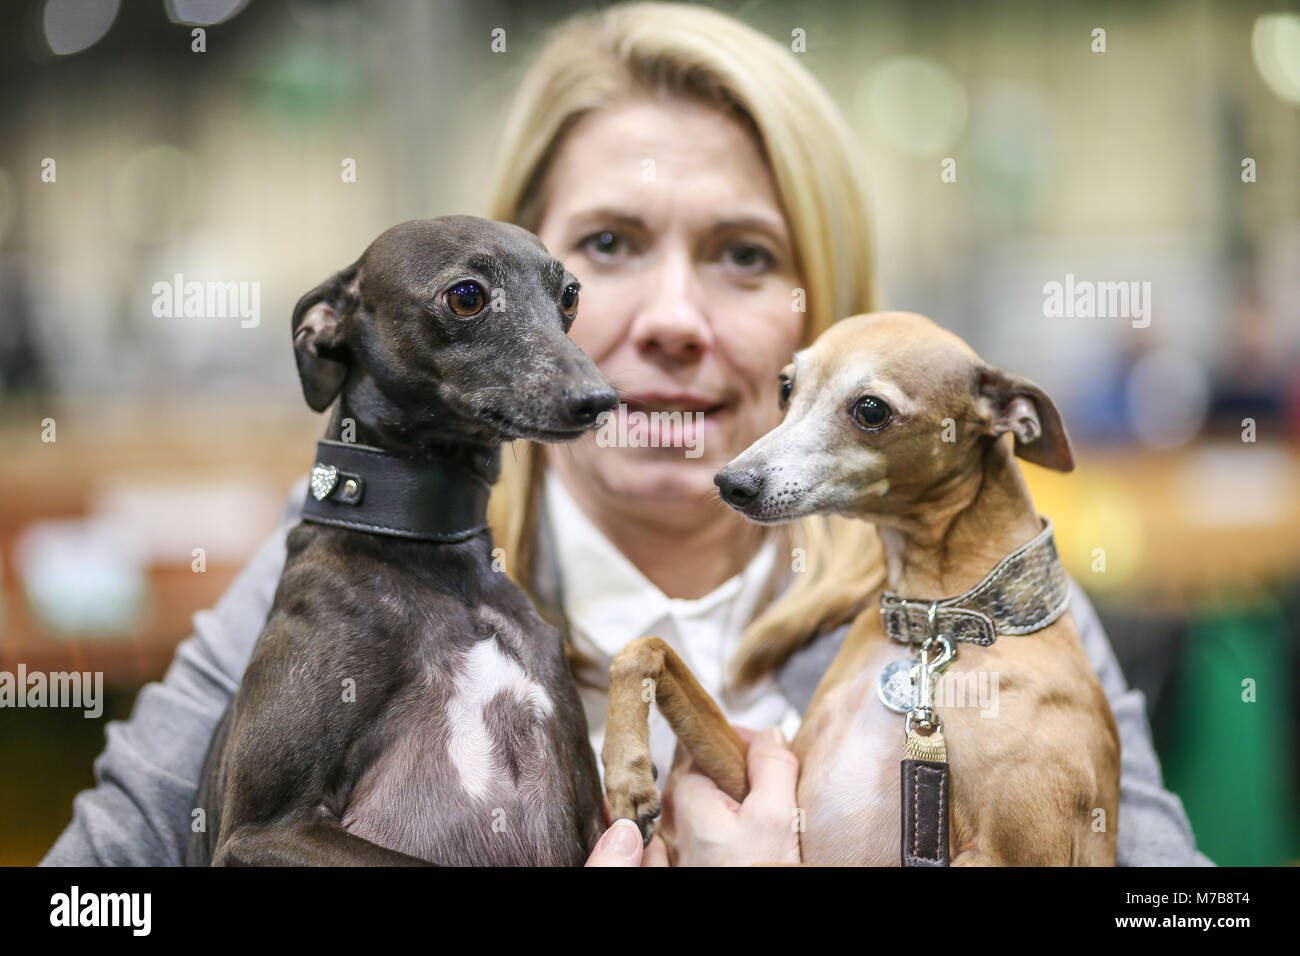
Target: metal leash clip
{"points": [[924, 674], [925, 796]]}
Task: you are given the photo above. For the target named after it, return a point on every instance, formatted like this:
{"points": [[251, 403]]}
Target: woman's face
{"points": [[667, 214]]}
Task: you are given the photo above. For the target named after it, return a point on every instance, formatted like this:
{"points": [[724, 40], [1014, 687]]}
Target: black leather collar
{"points": [[440, 498]]}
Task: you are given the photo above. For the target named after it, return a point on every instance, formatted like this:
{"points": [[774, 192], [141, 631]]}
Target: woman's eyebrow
{"points": [[610, 214], [771, 224], [774, 229]]}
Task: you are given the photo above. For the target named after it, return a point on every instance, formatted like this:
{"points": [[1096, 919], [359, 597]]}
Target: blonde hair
{"points": [[628, 51]]}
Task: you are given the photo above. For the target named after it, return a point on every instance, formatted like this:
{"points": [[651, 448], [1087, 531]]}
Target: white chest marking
{"points": [[486, 673]]}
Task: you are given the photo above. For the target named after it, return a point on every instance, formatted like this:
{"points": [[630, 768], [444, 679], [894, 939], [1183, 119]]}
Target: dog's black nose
{"points": [[585, 404], [738, 488]]}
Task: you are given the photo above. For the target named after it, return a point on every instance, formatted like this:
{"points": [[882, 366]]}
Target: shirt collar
{"points": [[605, 596]]}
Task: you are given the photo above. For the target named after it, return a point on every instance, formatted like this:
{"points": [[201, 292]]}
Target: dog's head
{"points": [[451, 327], [886, 412]]}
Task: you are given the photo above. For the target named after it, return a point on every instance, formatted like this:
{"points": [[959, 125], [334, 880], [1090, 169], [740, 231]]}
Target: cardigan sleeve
{"points": [[1153, 828], [138, 812]]}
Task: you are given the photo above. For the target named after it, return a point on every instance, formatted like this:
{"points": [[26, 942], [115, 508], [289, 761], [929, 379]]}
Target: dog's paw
{"points": [[633, 794]]}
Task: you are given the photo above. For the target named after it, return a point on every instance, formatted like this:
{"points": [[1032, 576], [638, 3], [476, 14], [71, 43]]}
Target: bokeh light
{"points": [[1168, 396], [1275, 46], [915, 104], [75, 25], [203, 13]]}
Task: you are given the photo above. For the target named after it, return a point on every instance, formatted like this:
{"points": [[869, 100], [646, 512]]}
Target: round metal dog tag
{"points": [[895, 686]]}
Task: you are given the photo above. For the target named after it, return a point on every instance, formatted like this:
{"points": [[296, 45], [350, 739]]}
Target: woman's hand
{"points": [[708, 828], [622, 846]]}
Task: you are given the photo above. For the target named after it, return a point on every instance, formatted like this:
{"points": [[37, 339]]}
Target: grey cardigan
{"points": [[138, 813]]}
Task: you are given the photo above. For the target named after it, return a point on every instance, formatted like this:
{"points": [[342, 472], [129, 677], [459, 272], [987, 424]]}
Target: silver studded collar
{"points": [[1026, 591]]}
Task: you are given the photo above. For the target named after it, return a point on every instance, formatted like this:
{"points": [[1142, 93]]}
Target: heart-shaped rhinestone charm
{"points": [[323, 480]]}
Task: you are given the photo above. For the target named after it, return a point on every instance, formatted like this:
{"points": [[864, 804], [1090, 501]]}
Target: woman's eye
{"points": [[604, 246], [871, 413], [749, 258], [786, 389], [569, 300], [466, 299]]}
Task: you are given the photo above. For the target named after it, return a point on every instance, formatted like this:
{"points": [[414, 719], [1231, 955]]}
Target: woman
{"points": [[700, 184]]}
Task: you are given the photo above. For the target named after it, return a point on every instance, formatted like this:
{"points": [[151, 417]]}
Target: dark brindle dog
{"points": [[405, 703]]}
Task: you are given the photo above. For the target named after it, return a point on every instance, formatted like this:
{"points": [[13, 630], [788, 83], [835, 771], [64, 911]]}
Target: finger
{"points": [[773, 768], [682, 766], [698, 799], [681, 756], [745, 733], [656, 854], [620, 846]]}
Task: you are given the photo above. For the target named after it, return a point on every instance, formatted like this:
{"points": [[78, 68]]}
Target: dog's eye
{"points": [[466, 299], [569, 300], [871, 413], [786, 389]]}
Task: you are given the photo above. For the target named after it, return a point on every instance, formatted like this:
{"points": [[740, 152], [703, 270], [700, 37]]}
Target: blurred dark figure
{"points": [[22, 370], [1256, 379]]}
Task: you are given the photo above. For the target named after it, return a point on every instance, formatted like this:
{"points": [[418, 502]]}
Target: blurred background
{"points": [[1172, 158]]}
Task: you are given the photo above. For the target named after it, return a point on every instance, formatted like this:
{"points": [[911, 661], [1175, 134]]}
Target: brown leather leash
{"points": [[926, 802]]}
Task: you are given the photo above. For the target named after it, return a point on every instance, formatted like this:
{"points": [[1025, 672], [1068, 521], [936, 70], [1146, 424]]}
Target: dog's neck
{"points": [[436, 491], [946, 547], [474, 451]]}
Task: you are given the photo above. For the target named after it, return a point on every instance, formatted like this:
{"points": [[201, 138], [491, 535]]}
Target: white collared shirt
{"points": [[609, 602]]}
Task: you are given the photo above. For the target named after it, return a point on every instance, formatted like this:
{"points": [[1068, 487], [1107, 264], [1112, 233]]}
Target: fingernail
{"points": [[774, 736], [622, 839]]}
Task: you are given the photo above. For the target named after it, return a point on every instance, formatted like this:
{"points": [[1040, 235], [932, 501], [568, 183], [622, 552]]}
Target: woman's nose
{"points": [[672, 321]]}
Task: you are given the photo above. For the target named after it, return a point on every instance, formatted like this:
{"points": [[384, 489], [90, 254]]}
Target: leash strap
{"points": [[926, 801], [366, 489]]}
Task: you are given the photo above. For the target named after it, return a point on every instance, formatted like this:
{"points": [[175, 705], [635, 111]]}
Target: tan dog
{"points": [[894, 420]]}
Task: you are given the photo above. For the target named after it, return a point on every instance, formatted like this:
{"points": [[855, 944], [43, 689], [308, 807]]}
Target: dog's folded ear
{"points": [[1014, 404], [318, 338]]}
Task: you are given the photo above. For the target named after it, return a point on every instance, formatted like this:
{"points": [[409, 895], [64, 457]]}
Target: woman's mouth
{"points": [[684, 421], [648, 403]]}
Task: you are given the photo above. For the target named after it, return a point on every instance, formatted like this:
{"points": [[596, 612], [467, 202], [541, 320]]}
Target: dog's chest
{"points": [[495, 722], [849, 748], [468, 772]]}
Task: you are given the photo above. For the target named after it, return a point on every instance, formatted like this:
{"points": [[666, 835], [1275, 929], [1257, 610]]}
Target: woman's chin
{"points": [[657, 478]]}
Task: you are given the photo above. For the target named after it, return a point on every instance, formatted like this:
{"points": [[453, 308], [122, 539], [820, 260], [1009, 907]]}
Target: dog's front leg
{"points": [[648, 669], [305, 843]]}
